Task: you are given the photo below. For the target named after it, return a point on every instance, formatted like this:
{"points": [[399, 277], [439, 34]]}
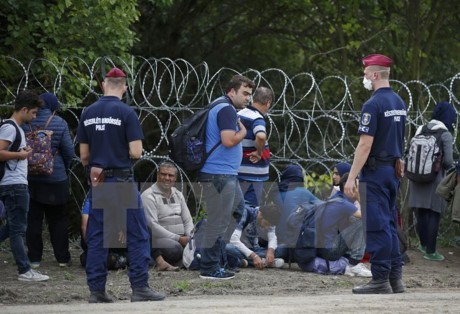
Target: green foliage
{"points": [[318, 184], [322, 37], [183, 285], [63, 31]]}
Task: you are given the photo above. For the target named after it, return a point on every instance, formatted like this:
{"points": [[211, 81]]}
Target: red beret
{"points": [[377, 59], [115, 72]]}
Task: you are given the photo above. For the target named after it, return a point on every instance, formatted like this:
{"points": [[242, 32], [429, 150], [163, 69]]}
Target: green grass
{"points": [[182, 285]]}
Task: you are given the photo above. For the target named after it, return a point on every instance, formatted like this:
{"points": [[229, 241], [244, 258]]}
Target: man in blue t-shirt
{"points": [[110, 136], [222, 192], [255, 163], [339, 232], [377, 155]]}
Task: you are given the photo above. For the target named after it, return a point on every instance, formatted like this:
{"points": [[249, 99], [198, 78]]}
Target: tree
{"points": [[323, 37], [64, 32]]}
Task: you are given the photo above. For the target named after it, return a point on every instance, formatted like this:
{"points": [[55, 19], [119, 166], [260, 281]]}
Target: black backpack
{"points": [[13, 148], [187, 144], [302, 231]]}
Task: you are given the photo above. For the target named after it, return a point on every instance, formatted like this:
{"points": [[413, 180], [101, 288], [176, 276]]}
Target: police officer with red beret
{"points": [[380, 147], [110, 137]]}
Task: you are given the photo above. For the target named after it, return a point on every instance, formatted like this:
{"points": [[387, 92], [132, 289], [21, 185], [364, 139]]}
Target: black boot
{"points": [[397, 285], [146, 294], [99, 297], [375, 286]]}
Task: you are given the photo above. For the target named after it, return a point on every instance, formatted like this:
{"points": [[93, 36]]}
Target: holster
{"points": [[399, 168], [97, 176]]}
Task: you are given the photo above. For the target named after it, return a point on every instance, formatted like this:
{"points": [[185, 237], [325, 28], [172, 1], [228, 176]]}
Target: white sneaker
{"points": [[32, 275], [277, 263], [358, 270]]}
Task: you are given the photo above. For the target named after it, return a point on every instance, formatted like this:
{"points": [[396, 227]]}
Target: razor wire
{"points": [[312, 122]]}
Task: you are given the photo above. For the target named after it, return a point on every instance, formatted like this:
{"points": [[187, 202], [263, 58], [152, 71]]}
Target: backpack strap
{"points": [[49, 120], [17, 140], [216, 102]]}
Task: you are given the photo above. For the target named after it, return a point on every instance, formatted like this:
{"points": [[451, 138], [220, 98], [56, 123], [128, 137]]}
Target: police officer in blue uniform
{"points": [[110, 136], [377, 157]]}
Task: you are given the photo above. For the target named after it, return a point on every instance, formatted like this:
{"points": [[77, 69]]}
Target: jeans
{"points": [[252, 191], [349, 241], [223, 197], [16, 200], [233, 252]]}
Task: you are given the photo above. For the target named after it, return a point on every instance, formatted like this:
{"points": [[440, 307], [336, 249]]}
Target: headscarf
{"points": [[445, 113], [50, 101], [342, 168], [292, 176]]}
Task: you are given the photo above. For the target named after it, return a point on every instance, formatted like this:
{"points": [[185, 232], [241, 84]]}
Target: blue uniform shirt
{"points": [[384, 116], [108, 126]]}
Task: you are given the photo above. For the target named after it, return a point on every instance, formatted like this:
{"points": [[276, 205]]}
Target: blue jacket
{"points": [[61, 142]]}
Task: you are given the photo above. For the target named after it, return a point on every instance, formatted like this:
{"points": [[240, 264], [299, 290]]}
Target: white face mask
{"points": [[367, 83]]}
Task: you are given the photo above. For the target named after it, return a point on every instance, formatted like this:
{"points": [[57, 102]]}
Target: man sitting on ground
{"points": [[339, 232], [168, 218], [250, 252]]}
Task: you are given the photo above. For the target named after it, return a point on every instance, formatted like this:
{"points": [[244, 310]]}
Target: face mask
{"points": [[367, 83]]}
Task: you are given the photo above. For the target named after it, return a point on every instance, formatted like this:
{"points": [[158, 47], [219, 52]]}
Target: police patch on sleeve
{"points": [[366, 118]]}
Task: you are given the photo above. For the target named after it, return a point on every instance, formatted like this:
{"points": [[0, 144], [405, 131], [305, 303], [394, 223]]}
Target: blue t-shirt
{"points": [[335, 218], [223, 160], [383, 117], [288, 202], [108, 126], [254, 123]]}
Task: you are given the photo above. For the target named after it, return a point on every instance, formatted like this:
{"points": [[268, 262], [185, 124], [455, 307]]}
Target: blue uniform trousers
{"points": [[113, 195], [378, 191]]}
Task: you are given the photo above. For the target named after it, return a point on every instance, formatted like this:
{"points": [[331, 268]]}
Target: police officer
{"points": [[378, 152], [110, 135]]}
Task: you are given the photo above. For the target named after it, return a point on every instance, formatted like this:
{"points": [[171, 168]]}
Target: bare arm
{"points": [[361, 155], [84, 154], [357, 213], [231, 138], [84, 223], [135, 149], [5, 154]]}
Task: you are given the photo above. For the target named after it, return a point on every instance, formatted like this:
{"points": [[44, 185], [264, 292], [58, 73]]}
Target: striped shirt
{"points": [[254, 123]]}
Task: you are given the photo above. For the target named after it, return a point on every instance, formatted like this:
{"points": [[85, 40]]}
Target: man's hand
{"points": [[254, 157], [350, 188], [183, 240], [121, 237], [270, 256], [24, 153], [257, 261]]}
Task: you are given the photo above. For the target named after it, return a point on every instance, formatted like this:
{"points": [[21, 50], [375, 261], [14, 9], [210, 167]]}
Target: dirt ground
{"points": [[68, 285]]}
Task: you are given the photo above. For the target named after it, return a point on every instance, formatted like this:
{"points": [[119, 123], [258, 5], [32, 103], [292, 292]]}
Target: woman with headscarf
{"points": [[337, 172], [428, 206], [49, 194]]}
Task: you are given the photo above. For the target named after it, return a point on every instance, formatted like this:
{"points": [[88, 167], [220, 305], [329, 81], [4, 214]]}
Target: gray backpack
{"points": [[424, 156]]}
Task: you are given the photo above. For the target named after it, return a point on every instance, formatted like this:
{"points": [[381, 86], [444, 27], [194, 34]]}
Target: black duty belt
{"points": [[118, 172], [373, 162]]}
